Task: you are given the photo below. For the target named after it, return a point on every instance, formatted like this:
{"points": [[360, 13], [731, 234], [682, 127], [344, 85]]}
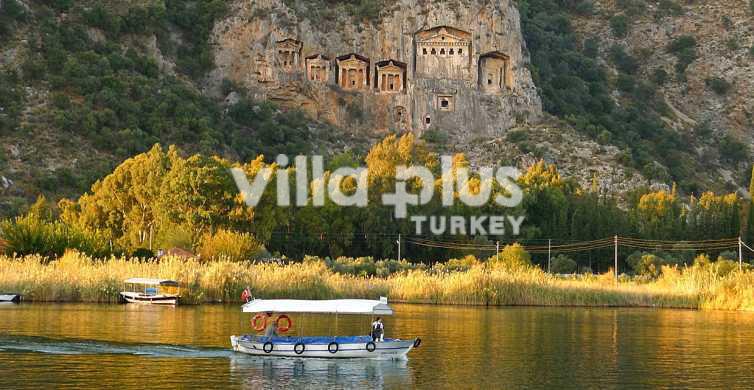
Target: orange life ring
{"points": [[289, 324], [256, 324]]}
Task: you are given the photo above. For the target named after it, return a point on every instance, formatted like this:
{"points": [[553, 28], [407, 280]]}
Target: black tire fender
{"points": [[299, 348], [371, 346], [333, 347], [267, 347]]}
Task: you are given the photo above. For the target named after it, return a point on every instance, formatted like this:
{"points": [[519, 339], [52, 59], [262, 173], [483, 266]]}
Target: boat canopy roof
{"points": [[153, 282], [334, 306]]}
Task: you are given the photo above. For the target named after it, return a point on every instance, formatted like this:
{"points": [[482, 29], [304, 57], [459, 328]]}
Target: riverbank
{"points": [[77, 278]]}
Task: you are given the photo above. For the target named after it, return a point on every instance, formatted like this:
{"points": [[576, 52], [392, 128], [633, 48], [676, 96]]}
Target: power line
{"points": [[667, 245]]}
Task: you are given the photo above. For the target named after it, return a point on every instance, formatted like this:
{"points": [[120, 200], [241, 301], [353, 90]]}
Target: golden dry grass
{"points": [[77, 278]]}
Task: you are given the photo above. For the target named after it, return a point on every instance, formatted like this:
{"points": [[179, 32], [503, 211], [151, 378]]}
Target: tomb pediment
{"points": [[443, 34], [391, 66], [352, 59], [289, 43], [391, 76]]}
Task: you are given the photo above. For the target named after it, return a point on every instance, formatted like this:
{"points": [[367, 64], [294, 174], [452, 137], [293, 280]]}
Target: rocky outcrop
{"points": [[459, 68]]}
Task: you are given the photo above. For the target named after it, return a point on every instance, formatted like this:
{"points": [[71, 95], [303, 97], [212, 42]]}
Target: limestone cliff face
{"points": [[458, 66]]}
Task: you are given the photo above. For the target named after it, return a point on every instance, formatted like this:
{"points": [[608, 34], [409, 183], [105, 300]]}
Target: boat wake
{"points": [[36, 344]]}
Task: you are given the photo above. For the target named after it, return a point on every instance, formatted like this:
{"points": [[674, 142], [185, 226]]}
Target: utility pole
{"points": [[740, 254], [616, 260], [549, 254], [399, 246]]}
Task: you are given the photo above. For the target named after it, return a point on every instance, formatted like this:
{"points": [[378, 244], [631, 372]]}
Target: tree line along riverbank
{"points": [[505, 279]]}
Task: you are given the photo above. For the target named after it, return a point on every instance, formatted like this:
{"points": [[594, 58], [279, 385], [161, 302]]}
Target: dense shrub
{"points": [[142, 253], [456, 265], [12, 13], [728, 255], [684, 49], [668, 8], [229, 245], [264, 129], [732, 149], [584, 7], [435, 136], [632, 7], [32, 234], [622, 60], [718, 85], [646, 264], [11, 101], [366, 266], [626, 83], [619, 25], [660, 76], [513, 256], [562, 264]]}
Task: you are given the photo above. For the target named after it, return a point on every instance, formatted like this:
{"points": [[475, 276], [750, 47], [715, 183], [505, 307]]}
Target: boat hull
{"points": [[10, 298], [161, 299], [320, 347]]}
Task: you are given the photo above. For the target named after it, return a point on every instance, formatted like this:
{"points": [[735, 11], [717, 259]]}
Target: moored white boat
{"points": [[151, 292], [329, 347], [10, 298]]}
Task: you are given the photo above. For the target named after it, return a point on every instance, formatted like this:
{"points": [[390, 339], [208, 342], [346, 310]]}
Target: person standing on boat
{"points": [[378, 330]]}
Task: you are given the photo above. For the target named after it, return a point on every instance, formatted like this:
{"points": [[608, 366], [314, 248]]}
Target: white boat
{"points": [[322, 346], [10, 298], [151, 291]]}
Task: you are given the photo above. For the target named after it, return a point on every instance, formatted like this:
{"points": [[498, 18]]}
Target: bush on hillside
{"points": [[732, 149], [684, 49], [619, 25], [718, 85]]}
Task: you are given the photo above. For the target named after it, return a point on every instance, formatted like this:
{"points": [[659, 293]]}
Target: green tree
{"points": [[198, 193], [658, 215], [562, 264], [125, 204], [512, 256]]}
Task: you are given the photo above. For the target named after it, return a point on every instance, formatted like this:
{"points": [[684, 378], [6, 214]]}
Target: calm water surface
{"points": [[131, 346]]}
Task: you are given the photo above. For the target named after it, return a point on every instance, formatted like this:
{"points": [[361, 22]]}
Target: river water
{"points": [[132, 346]]}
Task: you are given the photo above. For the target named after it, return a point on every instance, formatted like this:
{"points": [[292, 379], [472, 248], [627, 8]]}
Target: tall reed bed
{"points": [[77, 278]]}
